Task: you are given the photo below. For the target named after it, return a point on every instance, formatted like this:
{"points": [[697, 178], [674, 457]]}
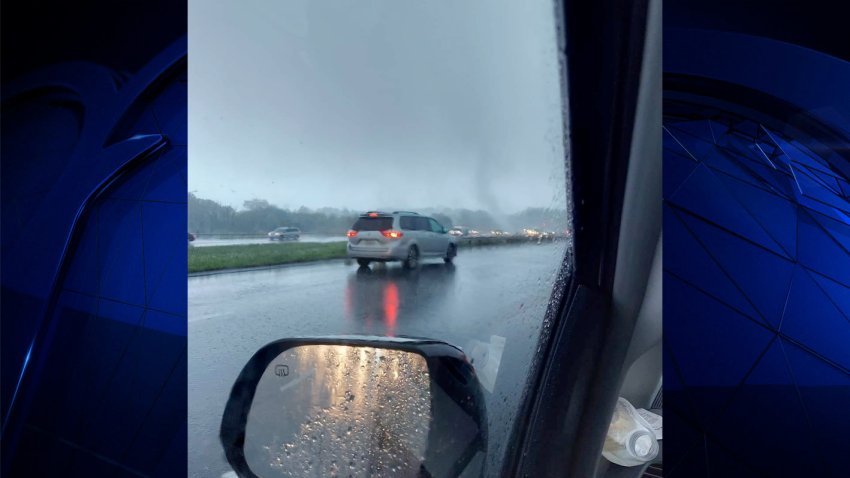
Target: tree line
{"points": [[258, 216]]}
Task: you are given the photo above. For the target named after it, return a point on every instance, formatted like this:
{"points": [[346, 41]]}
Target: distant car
{"points": [[530, 233], [399, 236], [285, 234], [191, 237], [473, 233], [498, 233], [459, 231]]}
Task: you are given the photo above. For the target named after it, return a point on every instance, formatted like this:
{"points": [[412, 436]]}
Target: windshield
{"points": [[313, 113]]}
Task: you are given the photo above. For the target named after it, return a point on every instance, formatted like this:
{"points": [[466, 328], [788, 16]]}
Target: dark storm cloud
{"points": [[364, 103]]}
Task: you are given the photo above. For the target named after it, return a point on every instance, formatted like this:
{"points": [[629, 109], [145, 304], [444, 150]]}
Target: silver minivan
{"points": [[285, 234], [399, 236]]}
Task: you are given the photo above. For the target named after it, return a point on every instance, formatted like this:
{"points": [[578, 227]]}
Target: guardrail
{"points": [[490, 240]]}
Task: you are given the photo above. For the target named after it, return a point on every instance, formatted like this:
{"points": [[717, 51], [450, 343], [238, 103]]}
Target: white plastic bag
{"points": [[630, 440]]}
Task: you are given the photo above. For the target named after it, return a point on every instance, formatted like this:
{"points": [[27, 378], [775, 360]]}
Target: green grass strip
{"points": [[202, 259], [213, 258]]}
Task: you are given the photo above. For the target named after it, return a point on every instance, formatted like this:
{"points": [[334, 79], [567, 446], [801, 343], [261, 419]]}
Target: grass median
{"points": [[213, 258]]}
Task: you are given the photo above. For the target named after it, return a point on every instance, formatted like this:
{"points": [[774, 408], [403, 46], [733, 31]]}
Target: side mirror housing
{"points": [[355, 406]]}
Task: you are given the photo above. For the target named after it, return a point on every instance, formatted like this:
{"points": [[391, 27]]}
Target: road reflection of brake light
{"points": [[391, 307], [351, 233], [392, 234], [347, 301]]}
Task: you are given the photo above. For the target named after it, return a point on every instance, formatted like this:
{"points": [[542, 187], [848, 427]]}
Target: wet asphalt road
{"points": [[490, 291]]}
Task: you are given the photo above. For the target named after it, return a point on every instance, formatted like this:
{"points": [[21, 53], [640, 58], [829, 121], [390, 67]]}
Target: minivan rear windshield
{"points": [[373, 224]]}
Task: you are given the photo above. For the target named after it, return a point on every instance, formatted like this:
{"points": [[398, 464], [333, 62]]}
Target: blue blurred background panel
{"points": [[813, 321], [819, 250], [679, 165], [704, 193], [168, 177], [825, 393], [759, 273], [769, 420], [94, 227], [707, 326], [775, 214], [690, 262], [135, 186], [839, 294], [165, 260], [112, 385], [119, 249], [721, 457], [757, 259], [162, 110]]}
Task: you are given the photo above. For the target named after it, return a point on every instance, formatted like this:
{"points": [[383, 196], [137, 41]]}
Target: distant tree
{"points": [[540, 218], [259, 216], [254, 204], [206, 216], [443, 219]]}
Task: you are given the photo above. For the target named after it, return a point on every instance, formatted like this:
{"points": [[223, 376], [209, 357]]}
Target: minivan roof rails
{"points": [[405, 212]]}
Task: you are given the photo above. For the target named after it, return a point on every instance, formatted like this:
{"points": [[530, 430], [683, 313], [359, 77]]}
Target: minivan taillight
{"points": [[351, 233], [392, 234]]}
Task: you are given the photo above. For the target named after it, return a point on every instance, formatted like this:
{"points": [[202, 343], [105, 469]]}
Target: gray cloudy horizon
{"points": [[367, 104]]}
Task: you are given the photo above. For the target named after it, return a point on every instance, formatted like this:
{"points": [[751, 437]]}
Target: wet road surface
{"points": [[490, 291]]}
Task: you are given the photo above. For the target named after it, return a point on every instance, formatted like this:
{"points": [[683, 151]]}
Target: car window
{"points": [[315, 112], [422, 224], [407, 223], [373, 224], [435, 226]]}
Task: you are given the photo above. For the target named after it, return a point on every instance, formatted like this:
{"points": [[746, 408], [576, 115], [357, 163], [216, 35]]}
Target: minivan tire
{"points": [[363, 262], [450, 254], [412, 258]]}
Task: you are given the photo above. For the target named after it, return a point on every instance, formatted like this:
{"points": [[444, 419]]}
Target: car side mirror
{"points": [[356, 406]]}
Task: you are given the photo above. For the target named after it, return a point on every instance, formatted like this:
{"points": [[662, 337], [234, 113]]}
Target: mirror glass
{"points": [[339, 410]]}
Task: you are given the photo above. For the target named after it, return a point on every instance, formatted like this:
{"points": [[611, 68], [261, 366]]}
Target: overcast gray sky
{"points": [[365, 104]]}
